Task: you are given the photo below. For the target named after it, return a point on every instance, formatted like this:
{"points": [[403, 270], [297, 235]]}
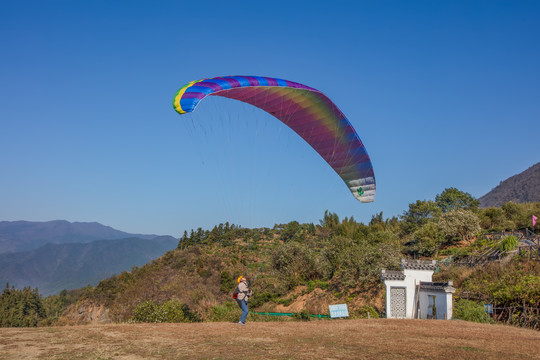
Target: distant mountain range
{"points": [[26, 235], [62, 255], [520, 188], [52, 268]]}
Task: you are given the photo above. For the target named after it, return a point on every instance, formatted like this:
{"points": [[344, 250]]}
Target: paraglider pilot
{"points": [[244, 293]]}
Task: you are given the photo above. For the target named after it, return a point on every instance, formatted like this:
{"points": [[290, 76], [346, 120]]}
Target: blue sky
{"points": [[443, 94]]}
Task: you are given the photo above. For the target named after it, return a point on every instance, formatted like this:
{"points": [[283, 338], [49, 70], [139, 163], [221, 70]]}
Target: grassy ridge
{"points": [[201, 273]]}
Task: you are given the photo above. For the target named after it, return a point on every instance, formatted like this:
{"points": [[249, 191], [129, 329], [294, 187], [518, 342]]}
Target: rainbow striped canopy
{"points": [[307, 111]]}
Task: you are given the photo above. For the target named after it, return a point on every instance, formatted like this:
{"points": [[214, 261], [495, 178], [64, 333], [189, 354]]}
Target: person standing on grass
{"points": [[244, 293]]}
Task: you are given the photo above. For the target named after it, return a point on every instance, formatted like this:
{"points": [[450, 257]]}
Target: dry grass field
{"points": [[321, 339]]}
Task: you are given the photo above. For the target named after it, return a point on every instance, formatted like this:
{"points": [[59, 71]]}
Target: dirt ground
{"points": [[317, 339]]}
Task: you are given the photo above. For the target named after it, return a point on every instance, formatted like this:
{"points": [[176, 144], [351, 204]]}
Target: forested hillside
{"points": [[302, 268]]}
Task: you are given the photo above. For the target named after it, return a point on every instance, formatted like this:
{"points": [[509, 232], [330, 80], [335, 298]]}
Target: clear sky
{"points": [[442, 93]]}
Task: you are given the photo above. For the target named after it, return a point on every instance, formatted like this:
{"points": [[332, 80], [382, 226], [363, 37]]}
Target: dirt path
{"points": [[322, 339]]}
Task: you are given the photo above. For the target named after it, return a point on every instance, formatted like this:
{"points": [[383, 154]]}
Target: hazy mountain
{"points": [[54, 267], [520, 188], [26, 235]]}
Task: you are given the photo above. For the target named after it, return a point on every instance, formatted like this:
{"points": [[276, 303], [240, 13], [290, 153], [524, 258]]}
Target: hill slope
{"points": [[54, 267], [520, 188], [27, 235], [295, 267]]}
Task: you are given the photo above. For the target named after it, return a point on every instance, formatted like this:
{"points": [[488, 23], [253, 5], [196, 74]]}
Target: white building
{"points": [[410, 293]]}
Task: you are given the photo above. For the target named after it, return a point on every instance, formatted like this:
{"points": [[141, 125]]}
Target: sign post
{"points": [[338, 311]]}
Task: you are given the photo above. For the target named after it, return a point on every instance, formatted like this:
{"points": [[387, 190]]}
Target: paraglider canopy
{"points": [[307, 111]]}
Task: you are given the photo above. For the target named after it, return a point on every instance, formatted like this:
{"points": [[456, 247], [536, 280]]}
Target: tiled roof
{"points": [[418, 264], [437, 286], [392, 275]]}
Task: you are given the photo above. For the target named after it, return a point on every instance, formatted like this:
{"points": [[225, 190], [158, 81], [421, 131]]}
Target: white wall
{"points": [[419, 275], [449, 306], [396, 283], [443, 303], [443, 300], [412, 279]]}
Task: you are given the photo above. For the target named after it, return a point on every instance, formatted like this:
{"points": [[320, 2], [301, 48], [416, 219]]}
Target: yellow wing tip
{"points": [[179, 94]]}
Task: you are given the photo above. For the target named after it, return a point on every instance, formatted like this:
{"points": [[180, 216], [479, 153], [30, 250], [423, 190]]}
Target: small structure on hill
{"points": [[411, 294]]}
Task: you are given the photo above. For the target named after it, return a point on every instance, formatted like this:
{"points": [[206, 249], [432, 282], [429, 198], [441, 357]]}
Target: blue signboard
{"points": [[337, 311], [488, 308]]}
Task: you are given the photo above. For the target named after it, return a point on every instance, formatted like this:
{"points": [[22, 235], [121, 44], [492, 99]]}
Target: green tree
{"points": [[21, 308], [452, 199], [55, 305], [377, 220], [295, 263], [349, 228], [354, 262], [494, 219], [516, 214], [330, 221], [429, 239], [182, 243], [463, 224], [289, 230], [419, 214]]}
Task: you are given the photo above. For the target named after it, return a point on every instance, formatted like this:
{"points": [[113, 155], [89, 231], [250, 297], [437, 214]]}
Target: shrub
{"points": [[302, 315], [457, 253], [312, 284], [322, 284], [227, 282], [145, 312], [284, 302], [171, 311], [226, 312], [260, 298], [470, 311], [509, 243], [365, 312]]}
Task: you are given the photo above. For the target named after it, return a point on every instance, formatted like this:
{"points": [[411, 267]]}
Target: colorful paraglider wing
{"points": [[307, 111]]}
